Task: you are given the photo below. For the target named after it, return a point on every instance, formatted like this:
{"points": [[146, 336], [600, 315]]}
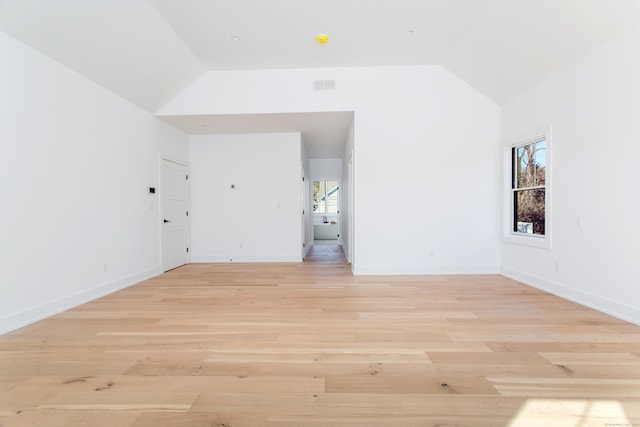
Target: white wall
{"points": [[258, 220], [427, 192], [594, 109], [76, 164], [325, 169]]}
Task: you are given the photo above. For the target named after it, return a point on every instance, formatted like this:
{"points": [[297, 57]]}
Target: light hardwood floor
{"points": [[308, 344]]}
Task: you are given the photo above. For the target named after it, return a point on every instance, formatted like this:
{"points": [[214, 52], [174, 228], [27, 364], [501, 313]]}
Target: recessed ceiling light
{"points": [[235, 38]]}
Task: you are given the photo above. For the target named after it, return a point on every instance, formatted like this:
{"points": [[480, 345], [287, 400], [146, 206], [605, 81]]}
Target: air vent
{"points": [[324, 85]]}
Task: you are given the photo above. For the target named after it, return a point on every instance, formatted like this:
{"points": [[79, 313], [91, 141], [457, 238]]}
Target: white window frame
{"points": [[326, 195], [509, 235]]}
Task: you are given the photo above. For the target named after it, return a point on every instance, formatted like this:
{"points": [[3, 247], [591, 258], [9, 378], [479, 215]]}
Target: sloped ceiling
{"points": [[124, 45], [148, 51], [501, 47]]}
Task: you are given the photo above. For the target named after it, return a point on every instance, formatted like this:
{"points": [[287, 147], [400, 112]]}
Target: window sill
{"points": [[531, 241]]}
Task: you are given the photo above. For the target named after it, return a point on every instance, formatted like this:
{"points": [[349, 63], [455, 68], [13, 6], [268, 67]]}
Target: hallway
{"points": [[326, 255]]}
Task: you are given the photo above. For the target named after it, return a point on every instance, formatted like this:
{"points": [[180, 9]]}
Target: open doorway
{"points": [[326, 212]]}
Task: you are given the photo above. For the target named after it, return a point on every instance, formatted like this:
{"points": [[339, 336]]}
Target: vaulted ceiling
{"points": [[148, 51]]}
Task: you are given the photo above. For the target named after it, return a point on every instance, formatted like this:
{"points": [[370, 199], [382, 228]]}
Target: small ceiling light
{"points": [[410, 33], [235, 38], [322, 38]]}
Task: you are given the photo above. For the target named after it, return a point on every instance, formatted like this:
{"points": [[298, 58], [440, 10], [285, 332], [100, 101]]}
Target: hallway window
{"points": [[325, 197]]}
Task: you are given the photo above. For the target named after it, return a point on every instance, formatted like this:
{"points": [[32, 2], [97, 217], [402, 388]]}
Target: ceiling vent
{"points": [[324, 85]]}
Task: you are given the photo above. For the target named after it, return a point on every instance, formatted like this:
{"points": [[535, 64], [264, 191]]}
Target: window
{"points": [[528, 202], [528, 186], [325, 197]]}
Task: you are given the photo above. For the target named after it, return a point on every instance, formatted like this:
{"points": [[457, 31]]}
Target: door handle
{"points": [[166, 221]]}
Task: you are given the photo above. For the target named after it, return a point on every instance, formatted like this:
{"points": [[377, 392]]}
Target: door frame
{"points": [[305, 213], [187, 230], [350, 203]]}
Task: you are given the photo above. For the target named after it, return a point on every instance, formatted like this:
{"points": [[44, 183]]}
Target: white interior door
{"points": [[173, 190]]}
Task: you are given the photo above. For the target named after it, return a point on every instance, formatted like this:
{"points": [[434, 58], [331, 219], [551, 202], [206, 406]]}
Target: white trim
{"points": [[352, 209], [528, 240], [242, 258], [345, 250], [407, 270], [339, 201], [173, 159], [303, 200], [613, 308], [51, 308], [508, 236]]}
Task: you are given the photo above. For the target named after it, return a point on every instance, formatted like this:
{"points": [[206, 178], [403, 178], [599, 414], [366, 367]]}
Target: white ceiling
{"points": [[148, 51]]}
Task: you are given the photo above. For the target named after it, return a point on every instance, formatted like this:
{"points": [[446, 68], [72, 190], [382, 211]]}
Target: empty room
{"points": [[290, 213]]}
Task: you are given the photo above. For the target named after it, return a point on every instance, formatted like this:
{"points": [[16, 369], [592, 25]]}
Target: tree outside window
{"points": [[529, 187]]}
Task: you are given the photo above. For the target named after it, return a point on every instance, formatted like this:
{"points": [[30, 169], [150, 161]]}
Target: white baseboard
{"points": [[18, 320], [346, 252], [604, 305], [227, 259], [404, 270]]}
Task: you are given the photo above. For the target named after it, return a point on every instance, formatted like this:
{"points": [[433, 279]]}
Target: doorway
{"points": [[326, 212]]}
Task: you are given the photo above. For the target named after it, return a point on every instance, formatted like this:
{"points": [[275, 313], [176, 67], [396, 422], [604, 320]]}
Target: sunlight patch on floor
{"points": [[573, 413]]}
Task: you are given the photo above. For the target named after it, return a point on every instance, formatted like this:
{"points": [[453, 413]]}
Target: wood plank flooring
{"points": [[308, 344]]}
